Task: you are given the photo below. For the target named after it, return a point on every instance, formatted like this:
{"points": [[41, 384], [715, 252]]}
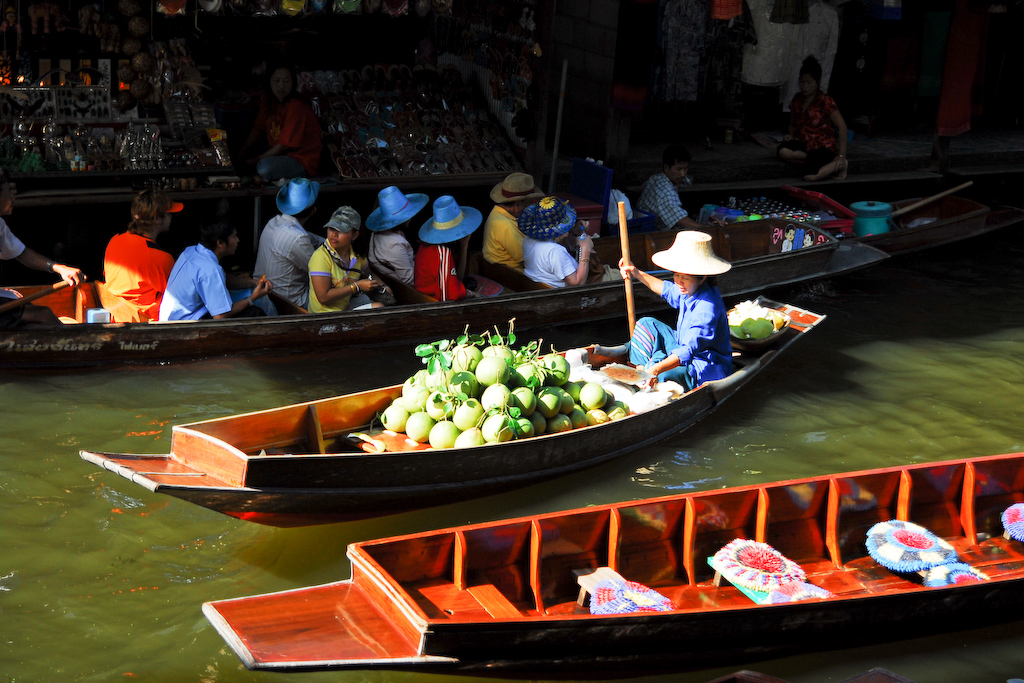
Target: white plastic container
{"points": [[97, 315]]}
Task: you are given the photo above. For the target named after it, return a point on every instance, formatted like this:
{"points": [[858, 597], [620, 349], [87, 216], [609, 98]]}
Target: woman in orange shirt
{"points": [[288, 127]]}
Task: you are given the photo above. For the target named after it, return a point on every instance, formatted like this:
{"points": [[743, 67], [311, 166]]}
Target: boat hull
{"points": [[75, 345], [297, 465], [499, 598]]}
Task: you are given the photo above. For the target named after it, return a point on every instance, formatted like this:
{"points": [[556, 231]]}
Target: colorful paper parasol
{"points": [[796, 590], [755, 565], [952, 574], [1013, 521], [907, 547], [612, 596]]}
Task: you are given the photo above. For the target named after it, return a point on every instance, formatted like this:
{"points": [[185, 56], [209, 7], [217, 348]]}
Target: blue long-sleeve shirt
{"points": [[702, 331]]}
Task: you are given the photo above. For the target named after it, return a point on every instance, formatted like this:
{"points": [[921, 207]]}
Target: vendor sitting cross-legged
{"points": [[698, 349]]}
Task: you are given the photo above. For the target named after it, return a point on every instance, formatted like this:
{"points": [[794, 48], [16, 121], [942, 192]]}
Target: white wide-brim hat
{"points": [[691, 254]]}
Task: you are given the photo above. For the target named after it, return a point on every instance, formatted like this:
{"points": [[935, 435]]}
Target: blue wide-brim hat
{"points": [[547, 220], [297, 195], [395, 208], [450, 222]]}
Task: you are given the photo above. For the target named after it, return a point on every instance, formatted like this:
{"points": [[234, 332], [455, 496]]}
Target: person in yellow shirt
{"points": [[503, 243], [339, 279]]}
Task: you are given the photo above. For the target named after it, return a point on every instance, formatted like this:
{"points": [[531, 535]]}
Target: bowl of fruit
{"points": [[753, 325]]}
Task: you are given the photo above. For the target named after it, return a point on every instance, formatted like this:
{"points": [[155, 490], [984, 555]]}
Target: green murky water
{"points": [[921, 359]]}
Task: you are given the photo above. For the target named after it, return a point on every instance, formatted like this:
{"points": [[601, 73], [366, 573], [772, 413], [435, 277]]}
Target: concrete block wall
{"points": [[585, 33]]}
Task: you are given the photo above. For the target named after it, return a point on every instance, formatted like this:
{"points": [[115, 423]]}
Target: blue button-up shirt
{"points": [[702, 331], [196, 286]]}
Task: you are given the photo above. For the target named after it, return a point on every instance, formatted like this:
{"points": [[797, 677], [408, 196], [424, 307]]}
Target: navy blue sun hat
{"points": [[450, 222], [297, 195], [395, 208], [547, 220]]}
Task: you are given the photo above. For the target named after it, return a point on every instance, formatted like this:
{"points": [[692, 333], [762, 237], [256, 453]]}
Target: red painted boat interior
{"points": [[406, 588]]}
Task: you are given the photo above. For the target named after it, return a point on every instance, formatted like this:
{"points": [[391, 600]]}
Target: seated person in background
{"points": [[546, 227], [287, 127], [197, 286], [817, 131], [390, 252], [438, 274], [336, 274], [286, 245], [698, 349], [135, 267], [660, 194], [13, 248], [503, 242]]}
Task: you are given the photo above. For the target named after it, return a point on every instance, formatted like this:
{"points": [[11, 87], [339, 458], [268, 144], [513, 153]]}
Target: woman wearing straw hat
{"points": [[697, 349], [546, 226], [390, 252], [503, 242], [437, 272]]}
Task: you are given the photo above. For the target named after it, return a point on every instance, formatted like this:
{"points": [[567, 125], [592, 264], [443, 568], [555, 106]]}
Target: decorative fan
{"points": [[952, 574], [907, 547], [612, 596], [756, 566]]}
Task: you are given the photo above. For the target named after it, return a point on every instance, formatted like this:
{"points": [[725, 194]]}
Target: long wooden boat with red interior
{"points": [[916, 223], [503, 598], [754, 250], [301, 464]]}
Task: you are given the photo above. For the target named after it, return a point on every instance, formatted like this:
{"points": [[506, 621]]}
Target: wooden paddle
{"points": [[17, 303], [929, 200], [624, 238]]}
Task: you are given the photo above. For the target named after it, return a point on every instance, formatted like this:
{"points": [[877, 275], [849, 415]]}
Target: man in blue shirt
{"points": [[660, 194], [197, 286]]}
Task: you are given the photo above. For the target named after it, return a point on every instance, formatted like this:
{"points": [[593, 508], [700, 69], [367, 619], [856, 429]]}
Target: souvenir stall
{"points": [[101, 100]]}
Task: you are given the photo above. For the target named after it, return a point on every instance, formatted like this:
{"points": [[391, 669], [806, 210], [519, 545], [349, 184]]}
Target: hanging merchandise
{"points": [[371, 6], [138, 27], [293, 8], [348, 6], [441, 6], [766, 62], [44, 17], [790, 12], [890, 10], [396, 8], [211, 6], [683, 25], [170, 8]]}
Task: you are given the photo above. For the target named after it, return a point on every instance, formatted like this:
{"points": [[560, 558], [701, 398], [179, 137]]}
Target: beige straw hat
{"points": [[514, 187], [691, 254]]}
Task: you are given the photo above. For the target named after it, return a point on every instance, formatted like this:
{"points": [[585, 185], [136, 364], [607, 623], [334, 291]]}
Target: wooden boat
{"points": [[298, 464], [949, 220], [502, 598], [935, 222], [755, 252]]}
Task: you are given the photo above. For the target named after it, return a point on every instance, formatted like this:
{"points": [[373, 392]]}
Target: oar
{"points": [[17, 303], [929, 200], [624, 238]]}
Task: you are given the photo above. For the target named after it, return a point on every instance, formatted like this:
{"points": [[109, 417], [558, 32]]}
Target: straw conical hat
{"points": [[691, 254]]}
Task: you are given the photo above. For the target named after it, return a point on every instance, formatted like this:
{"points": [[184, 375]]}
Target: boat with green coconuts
{"points": [[332, 459]]}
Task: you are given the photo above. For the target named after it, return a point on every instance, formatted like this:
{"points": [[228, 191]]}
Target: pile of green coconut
{"points": [[478, 389]]}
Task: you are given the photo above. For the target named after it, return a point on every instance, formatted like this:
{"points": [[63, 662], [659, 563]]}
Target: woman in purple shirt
{"points": [[697, 349]]}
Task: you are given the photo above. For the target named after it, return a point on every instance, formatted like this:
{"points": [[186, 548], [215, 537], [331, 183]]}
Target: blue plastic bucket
{"points": [[872, 218]]}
